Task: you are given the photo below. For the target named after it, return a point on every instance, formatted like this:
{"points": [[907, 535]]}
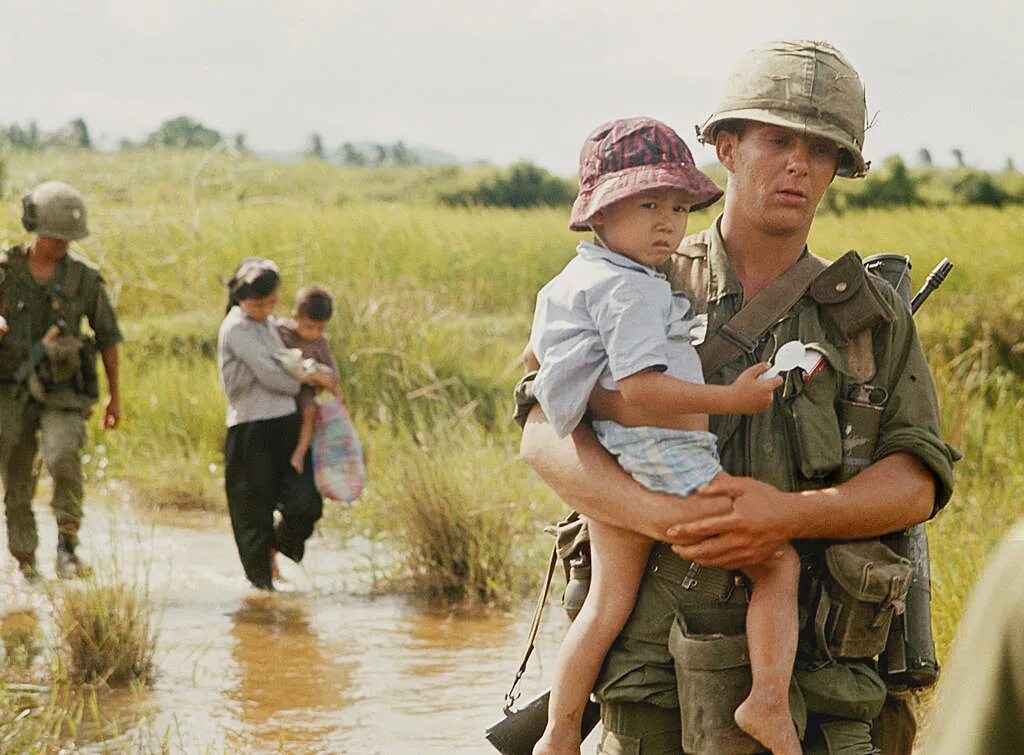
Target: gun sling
{"points": [[510, 696], [520, 730]]}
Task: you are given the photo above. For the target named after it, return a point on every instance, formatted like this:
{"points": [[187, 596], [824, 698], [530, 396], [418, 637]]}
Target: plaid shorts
{"points": [[667, 461]]}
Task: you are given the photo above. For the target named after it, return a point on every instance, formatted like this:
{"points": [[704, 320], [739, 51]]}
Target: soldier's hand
{"points": [[4, 327], [111, 413], [756, 527], [751, 394]]}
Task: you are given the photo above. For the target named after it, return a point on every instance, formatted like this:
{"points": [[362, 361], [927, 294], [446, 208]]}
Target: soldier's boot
{"points": [[70, 565], [27, 567]]}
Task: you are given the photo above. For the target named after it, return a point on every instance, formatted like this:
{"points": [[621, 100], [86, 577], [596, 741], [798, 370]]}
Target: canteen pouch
{"points": [[572, 544], [712, 679], [864, 586]]}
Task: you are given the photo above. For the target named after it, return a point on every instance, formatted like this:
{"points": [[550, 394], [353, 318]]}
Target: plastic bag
{"points": [[338, 468]]}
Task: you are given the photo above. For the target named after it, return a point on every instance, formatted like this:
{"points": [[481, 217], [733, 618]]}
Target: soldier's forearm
{"points": [[890, 495], [587, 478], [111, 365]]}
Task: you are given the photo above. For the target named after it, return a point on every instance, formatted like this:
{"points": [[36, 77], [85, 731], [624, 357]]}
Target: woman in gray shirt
{"points": [[263, 426]]}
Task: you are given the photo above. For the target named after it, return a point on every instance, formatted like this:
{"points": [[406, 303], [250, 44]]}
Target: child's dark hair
{"points": [[315, 303], [254, 278]]}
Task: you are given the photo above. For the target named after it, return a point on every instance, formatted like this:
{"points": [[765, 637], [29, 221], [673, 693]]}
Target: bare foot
{"points": [[554, 743], [771, 725], [297, 462], [275, 573]]}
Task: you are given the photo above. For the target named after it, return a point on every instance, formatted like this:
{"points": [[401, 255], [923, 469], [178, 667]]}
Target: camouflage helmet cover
{"points": [[629, 156], [55, 209], [805, 85]]}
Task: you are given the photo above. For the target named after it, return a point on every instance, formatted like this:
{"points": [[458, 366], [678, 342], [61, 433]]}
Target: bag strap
{"points": [[741, 334], [510, 696]]}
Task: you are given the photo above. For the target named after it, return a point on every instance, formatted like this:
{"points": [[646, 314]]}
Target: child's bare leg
{"points": [[305, 437], [772, 626], [618, 560]]}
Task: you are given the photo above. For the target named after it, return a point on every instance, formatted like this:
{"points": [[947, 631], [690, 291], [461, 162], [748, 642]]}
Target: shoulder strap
{"points": [[511, 696], [741, 334], [73, 276]]}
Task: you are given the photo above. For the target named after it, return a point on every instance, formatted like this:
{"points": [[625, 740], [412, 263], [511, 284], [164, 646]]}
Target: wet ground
{"points": [[328, 668]]}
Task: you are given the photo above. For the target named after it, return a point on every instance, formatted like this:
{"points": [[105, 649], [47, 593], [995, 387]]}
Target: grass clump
{"points": [[173, 485], [464, 528], [106, 631], [21, 636]]}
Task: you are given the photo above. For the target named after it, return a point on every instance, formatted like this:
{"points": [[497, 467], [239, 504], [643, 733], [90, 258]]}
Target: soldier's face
{"points": [[777, 176], [262, 308], [49, 248]]}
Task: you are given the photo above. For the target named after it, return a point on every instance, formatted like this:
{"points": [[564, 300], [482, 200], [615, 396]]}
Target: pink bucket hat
{"points": [[626, 157]]}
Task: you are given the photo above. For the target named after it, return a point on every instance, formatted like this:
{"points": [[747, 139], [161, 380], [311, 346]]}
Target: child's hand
{"points": [[297, 462], [320, 379], [750, 395]]}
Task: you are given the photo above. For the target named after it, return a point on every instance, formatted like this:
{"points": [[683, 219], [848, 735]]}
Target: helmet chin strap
{"points": [[597, 237]]}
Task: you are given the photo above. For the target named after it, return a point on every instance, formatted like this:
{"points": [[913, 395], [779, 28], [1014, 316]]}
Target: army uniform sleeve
{"points": [[523, 398], [910, 419], [103, 318]]}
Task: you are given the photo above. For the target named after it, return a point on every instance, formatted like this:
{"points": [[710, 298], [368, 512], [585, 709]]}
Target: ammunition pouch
{"points": [[572, 544], [67, 378], [846, 300], [863, 586]]}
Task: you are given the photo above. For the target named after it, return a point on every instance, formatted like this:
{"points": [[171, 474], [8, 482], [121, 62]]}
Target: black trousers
{"points": [[259, 480]]}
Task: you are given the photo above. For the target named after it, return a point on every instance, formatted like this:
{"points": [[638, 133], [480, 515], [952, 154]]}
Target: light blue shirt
{"points": [[603, 318]]}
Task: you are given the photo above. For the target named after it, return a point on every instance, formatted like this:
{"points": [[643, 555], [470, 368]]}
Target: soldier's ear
{"points": [[725, 148]]}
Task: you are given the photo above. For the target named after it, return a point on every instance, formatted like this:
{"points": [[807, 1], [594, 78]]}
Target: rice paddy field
{"points": [[433, 306]]}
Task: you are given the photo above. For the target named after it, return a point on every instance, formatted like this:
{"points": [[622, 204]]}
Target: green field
{"points": [[433, 307]]}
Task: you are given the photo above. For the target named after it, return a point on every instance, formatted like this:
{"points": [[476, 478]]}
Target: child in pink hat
{"points": [[610, 319]]}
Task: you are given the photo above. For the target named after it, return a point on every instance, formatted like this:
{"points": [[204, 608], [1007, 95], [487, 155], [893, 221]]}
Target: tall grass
{"points": [[433, 308]]}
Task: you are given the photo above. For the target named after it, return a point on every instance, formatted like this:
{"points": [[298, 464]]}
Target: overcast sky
{"points": [[500, 81]]}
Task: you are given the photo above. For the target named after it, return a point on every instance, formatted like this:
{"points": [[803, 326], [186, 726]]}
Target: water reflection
{"points": [[286, 678], [330, 668]]}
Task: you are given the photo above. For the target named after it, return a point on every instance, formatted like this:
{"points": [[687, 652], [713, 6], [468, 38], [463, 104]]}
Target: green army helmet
{"points": [[805, 85], [55, 209]]}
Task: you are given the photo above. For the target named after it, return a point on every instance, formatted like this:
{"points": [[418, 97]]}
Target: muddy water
{"points": [[327, 668]]}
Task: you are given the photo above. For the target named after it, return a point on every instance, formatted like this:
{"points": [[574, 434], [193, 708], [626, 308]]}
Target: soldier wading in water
{"points": [[48, 378], [791, 118]]}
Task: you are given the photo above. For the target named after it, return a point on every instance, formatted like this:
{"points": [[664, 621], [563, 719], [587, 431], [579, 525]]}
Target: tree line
{"points": [[524, 184], [184, 132]]}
